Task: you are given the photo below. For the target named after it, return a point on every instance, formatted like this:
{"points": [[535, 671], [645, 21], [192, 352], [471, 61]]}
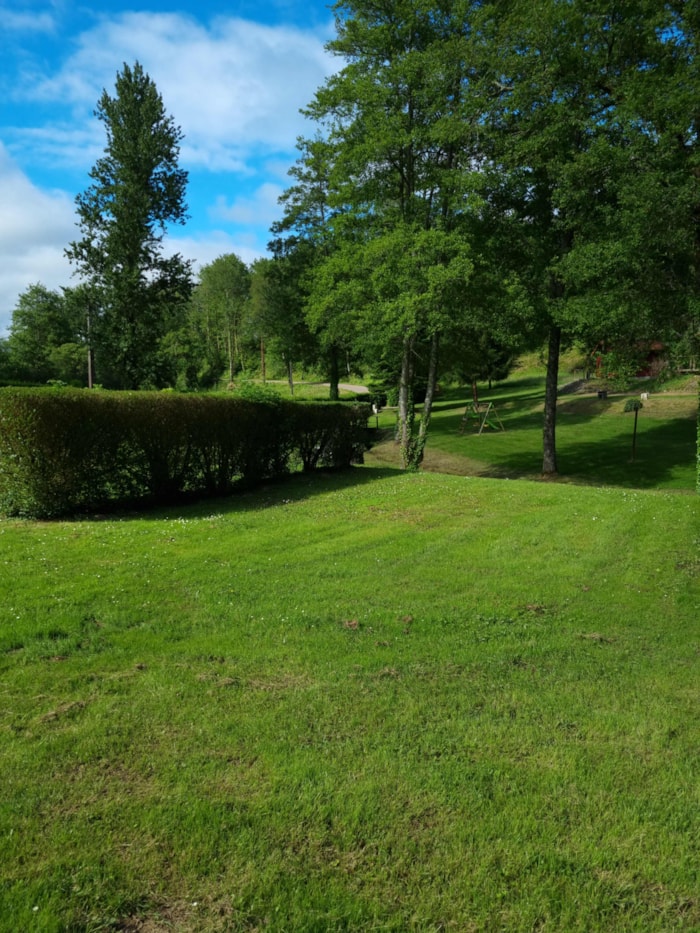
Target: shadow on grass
{"points": [[517, 390], [524, 413], [607, 461], [294, 487], [571, 411]]}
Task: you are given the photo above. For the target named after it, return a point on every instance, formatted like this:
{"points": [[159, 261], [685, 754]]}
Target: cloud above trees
{"points": [[234, 86]]}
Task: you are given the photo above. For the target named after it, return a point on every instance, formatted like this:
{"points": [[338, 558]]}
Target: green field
{"points": [[361, 701], [594, 436]]}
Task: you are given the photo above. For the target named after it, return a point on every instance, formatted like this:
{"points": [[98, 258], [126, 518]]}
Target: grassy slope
{"points": [[378, 701], [594, 436]]}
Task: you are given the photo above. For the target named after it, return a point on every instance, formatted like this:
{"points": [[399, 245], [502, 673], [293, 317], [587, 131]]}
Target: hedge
{"points": [[65, 451]]}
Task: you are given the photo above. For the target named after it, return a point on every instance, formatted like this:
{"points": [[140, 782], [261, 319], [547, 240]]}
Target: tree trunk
{"points": [[406, 412], [290, 374], [90, 355], [230, 356], [419, 450], [334, 375], [237, 350], [91, 367], [549, 459]]}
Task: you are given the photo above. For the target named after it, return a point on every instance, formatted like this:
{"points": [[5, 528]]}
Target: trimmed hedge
{"points": [[64, 451]]}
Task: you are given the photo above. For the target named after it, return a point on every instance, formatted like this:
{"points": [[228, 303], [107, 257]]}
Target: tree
{"points": [[307, 233], [276, 318], [137, 191], [560, 149], [5, 371], [45, 338], [399, 175], [219, 306], [591, 131]]}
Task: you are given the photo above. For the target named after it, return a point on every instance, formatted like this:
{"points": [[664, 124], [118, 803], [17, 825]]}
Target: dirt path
{"points": [[347, 387]]}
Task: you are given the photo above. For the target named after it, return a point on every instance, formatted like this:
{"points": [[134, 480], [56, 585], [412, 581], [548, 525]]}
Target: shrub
{"points": [[330, 435], [64, 450], [57, 449]]}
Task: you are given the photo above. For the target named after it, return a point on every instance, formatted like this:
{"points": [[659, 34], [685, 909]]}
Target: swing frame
{"points": [[484, 416]]}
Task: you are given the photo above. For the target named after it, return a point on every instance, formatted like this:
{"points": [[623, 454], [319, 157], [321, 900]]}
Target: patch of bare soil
{"points": [[387, 453]]}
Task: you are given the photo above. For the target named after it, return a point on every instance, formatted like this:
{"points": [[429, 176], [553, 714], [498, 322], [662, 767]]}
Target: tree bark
{"points": [[229, 342], [334, 375], [549, 458], [290, 375], [419, 450], [406, 412]]}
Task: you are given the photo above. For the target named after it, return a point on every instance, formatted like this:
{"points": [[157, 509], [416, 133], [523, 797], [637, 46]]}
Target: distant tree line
{"points": [[482, 177], [239, 322]]}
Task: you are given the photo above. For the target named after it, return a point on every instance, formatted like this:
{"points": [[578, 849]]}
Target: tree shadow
{"points": [[461, 397], [661, 449], [524, 413]]}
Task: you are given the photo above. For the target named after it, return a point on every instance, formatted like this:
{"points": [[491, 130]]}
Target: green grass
{"points": [[304, 389], [310, 391], [594, 436], [370, 701]]}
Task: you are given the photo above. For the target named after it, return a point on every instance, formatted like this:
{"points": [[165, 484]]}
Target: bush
{"points": [[65, 450], [56, 451], [330, 435]]}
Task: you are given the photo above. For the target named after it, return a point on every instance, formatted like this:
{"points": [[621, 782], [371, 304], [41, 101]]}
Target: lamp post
{"points": [[634, 404]]}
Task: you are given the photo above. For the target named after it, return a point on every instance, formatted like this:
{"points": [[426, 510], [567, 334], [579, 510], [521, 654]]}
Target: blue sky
{"points": [[233, 75]]}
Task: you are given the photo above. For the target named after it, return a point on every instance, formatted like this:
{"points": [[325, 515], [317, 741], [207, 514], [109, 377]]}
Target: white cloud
{"points": [[35, 228], [234, 86], [260, 210], [12, 21], [279, 168], [206, 248], [62, 145]]}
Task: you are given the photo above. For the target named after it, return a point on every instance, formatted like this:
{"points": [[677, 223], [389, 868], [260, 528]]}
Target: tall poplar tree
{"points": [[137, 191]]}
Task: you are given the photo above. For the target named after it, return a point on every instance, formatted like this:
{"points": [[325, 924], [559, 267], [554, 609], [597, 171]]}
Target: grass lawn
{"points": [[370, 701], [304, 390], [594, 436]]}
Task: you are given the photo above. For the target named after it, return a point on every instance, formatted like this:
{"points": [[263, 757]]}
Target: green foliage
{"points": [[330, 435], [618, 368], [218, 311], [58, 449], [44, 341], [137, 191], [256, 391], [69, 362], [63, 451], [276, 320]]}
